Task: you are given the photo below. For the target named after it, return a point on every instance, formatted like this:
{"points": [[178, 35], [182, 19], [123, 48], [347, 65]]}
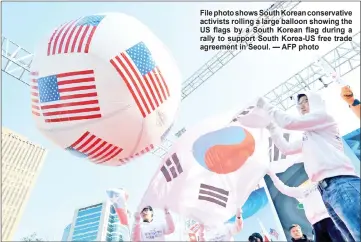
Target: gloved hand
{"points": [[270, 170], [239, 222], [347, 95], [261, 102], [271, 127], [239, 213]]}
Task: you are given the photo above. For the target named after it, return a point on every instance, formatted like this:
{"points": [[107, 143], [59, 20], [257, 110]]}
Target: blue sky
{"points": [[65, 182]]}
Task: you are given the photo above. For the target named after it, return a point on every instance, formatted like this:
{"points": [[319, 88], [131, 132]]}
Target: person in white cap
{"points": [[147, 230]]}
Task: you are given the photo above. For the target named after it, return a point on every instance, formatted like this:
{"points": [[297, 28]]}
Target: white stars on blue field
{"points": [[142, 58], [48, 89], [92, 20], [76, 152]]}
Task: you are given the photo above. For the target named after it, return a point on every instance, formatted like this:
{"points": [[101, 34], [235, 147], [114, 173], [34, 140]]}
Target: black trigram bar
{"points": [[247, 110], [276, 151], [213, 195], [172, 168], [244, 112]]}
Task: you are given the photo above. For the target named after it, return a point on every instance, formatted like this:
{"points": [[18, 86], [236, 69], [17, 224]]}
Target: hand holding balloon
{"points": [[271, 127], [239, 222], [253, 117], [239, 217], [83, 99], [239, 213], [269, 170]]}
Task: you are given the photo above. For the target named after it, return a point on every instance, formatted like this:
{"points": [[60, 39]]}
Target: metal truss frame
{"points": [[15, 60], [344, 59]]}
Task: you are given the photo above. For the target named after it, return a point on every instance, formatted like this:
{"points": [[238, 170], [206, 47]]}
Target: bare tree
{"points": [[31, 238]]}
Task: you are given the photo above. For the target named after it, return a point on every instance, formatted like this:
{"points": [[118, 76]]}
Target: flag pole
{"points": [[267, 237]]}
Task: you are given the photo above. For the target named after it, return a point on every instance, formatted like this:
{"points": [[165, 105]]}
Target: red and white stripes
{"points": [[136, 155]]}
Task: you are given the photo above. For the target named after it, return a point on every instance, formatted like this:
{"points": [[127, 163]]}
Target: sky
{"points": [[66, 182]]}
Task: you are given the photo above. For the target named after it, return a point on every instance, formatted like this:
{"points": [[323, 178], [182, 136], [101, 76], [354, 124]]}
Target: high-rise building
{"points": [[98, 222], [21, 162], [66, 233]]}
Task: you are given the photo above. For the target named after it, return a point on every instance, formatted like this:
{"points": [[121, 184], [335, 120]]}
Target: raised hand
{"points": [[347, 95]]}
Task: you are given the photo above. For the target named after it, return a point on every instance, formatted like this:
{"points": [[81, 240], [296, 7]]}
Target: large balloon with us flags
{"points": [[105, 88]]}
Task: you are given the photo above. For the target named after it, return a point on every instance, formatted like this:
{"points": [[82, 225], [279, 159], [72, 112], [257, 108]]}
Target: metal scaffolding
{"points": [[15, 60], [344, 58]]}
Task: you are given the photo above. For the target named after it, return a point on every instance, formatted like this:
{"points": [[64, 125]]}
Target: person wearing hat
{"points": [[255, 237], [145, 229]]}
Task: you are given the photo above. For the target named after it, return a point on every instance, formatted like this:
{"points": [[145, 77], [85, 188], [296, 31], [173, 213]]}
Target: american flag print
{"points": [[74, 36], [142, 152], [65, 97], [142, 77], [274, 233], [117, 198], [35, 107], [94, 148], [195, 227]]}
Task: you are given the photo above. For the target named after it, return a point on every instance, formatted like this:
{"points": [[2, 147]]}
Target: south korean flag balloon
{"points": [[210, 171]]}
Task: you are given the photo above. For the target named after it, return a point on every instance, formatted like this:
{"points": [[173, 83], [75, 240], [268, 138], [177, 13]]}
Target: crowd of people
{"points": [[337, 200]]}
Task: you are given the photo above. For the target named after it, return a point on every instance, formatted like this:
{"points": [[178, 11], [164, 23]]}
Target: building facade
{"points": [[21, 163], [98, 222], [66, 233]]}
